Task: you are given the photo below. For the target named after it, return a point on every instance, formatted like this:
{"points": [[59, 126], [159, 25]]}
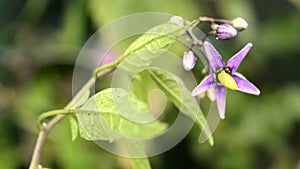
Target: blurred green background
{"points": [[41, 39]]}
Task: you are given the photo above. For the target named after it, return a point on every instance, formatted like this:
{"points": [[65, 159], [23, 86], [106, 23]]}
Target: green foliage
{"points": [[140, 54], [74, 127], [140, 163], [100, 117], [150, 45], [136, 148], [176, 91], [40, 41], [73, 122]]}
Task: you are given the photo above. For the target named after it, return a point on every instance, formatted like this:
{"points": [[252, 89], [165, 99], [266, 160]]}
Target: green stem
{"points": [[106, 66], [52, 113], [190, 33], [61, 114]]}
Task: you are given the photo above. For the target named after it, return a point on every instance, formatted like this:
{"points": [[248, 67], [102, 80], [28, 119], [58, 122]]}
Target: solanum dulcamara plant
{"points": [[100, 118], [221, 76]]}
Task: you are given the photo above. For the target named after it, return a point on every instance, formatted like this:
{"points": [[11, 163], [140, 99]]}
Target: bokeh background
{"points": [[41, 39]]}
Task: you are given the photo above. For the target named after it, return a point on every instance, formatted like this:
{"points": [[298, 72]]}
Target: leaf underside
{"points": [[150, 45], [101, 119]]}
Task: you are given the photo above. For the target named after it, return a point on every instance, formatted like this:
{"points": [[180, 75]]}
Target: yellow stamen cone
{"points": [[226, 80]]}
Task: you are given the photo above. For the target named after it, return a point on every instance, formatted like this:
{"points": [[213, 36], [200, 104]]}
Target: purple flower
{"points": [[224, 76], [225, 32], [189, 60]]}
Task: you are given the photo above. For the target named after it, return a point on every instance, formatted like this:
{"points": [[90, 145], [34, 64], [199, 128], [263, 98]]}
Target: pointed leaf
{"points": [[181, 97], [74, 127], [82, 98], [102, 118], [150, 45]]}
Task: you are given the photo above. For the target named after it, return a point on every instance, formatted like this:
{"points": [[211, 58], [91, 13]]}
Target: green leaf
{"points": [[136, 149], [102, 117], [150, 45], [140, 85], [140, 163], [181, 97], [74, 127], [82, 98]]}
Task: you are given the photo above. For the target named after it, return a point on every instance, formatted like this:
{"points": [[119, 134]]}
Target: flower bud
{"points": [[189, 60], [177, 20], [225, 32], [239, 24]]}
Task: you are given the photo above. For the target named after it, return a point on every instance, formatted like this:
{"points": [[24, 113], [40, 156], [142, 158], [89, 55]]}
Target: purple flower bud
{"points": [[189, 60], [225, 32]]}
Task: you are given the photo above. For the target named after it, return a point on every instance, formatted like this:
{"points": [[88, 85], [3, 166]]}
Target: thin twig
{"points": [[198, 42], [47, 127], [52, 113], [192, 36], [209, 19]]}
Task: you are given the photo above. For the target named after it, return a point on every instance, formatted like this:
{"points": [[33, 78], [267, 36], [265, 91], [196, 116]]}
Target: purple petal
{"points": [[234, 62], [214, 58], [245, 86], [221, 100], [225, 32], [189, 60], [204, 85]]}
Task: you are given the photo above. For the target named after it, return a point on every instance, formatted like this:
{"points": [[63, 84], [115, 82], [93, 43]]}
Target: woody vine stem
{"points": [[47, 127]]}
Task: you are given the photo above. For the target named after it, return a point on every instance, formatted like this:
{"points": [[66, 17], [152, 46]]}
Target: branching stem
{"points": [[59, 115], [45, 128]]}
